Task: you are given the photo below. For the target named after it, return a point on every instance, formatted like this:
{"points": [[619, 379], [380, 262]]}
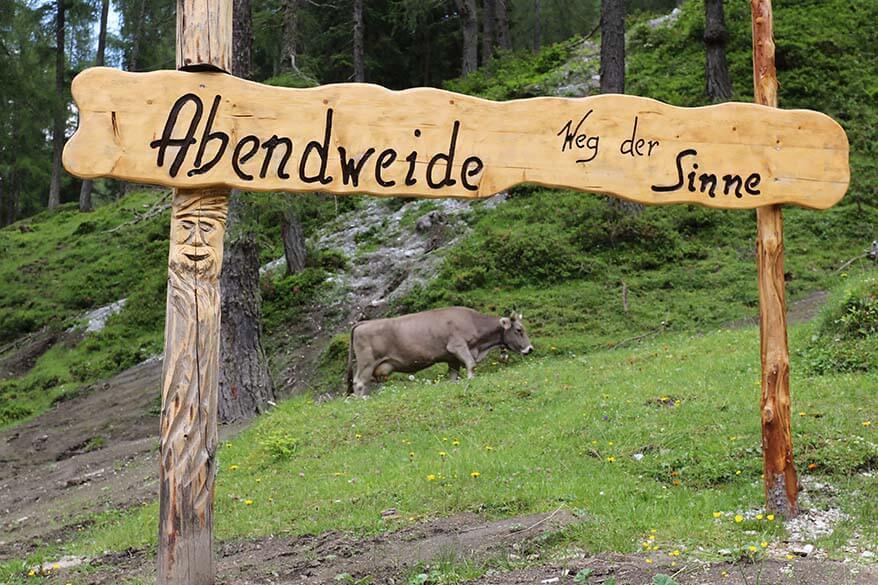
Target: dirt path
{"points": [[634, 570], [387, 558]]}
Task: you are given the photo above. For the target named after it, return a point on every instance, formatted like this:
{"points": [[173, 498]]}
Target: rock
{"points": [[427, 222], [867, 554], [803, 550]]}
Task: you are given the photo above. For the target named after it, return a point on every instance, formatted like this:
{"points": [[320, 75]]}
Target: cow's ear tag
{"points": [[505, 322]]}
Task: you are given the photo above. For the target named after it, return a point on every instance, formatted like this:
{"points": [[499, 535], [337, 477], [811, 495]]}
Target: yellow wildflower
{"points": [[431, 477], [611, 459], [443, 454], [763, 544], [739, 518], [867, 423], [770, 517], [675, 553], [475, 474], [411, 454], [233, 467], [248, 502], [790, 557], [358, 436], [717, 514], [649, 561], [455, 442], [752, 548], [759, 516]]}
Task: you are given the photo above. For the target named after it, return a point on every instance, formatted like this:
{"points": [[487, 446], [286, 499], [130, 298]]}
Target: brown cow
{"points": [[457, 336]]}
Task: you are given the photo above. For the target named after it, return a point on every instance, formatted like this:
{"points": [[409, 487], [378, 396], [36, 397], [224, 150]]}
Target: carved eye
{"points": [[206, 227], [187, 224]]}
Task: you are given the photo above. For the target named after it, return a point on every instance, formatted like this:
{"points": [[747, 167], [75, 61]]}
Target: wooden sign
{"points": [[193, 130]]}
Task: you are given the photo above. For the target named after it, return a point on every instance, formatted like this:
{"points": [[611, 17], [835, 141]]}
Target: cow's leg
{"points": [[361, 380], [460, 350], [454, 370]]}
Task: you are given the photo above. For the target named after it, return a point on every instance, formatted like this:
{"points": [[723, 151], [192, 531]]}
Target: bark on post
{"points": [[190, 376], [781, 482]]}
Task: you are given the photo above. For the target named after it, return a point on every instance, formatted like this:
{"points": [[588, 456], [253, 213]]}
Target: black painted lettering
{"points": [[570, 137], [465, 174], [627, 146], [238, 160], [692, 179], [410, 175], [322, 151], [728, 181], [385, 159], [592, 144], [708, 183], [679, 183], [751, 183], [448, 157], [208, 136], [652, 144], [269, 146], [184, 143], [350, 169]]}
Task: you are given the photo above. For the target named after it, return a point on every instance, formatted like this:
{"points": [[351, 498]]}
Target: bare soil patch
{"points": [[96, 451]]}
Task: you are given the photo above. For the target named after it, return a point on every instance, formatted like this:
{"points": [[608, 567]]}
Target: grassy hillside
{"points": [[660, 439], [611, 436]]}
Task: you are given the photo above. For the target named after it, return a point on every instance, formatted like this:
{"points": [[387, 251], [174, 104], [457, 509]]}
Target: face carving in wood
{"points": [[197, 234]]}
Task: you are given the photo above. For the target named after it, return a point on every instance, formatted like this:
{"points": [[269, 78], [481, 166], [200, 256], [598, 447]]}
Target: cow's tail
{"points": [[350, 371]]}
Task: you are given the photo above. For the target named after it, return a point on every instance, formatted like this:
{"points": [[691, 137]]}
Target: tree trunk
{"points": [[290, 35], [134, 58], [85, 191], [488, 10], [501, 25], [612, 46], [359, 32], [294, 242], [245, 386], [242, 39], [60, 109], [538, 26], [719, 85], [470, 29]]}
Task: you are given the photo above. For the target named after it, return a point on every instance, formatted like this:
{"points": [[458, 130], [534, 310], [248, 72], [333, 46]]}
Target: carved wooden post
{"points": [[190, 378], [781, 483]]}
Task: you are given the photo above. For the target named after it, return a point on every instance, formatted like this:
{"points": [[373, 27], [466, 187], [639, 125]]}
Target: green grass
{"points": [[553, 431]]}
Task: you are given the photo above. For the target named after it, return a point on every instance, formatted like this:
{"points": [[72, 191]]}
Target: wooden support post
{"points": [[192, 326], [781, 483]]}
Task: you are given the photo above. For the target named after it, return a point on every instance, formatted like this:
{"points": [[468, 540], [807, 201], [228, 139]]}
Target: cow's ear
{"points": [[505, 322]]}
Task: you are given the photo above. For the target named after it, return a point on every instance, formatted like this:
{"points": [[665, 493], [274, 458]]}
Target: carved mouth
{"points": [[196, 257]]}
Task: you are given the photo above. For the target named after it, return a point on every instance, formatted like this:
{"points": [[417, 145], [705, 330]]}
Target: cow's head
{"points": [[514, 336]]}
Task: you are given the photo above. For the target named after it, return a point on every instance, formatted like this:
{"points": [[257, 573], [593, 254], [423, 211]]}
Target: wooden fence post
{"points": [[781, 483], [190, 377]]}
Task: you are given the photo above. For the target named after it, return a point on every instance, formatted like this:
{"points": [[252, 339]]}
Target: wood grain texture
{"points": [[204, 35], [781, 482], [192, 336], [797, 157], [189, 389]]}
